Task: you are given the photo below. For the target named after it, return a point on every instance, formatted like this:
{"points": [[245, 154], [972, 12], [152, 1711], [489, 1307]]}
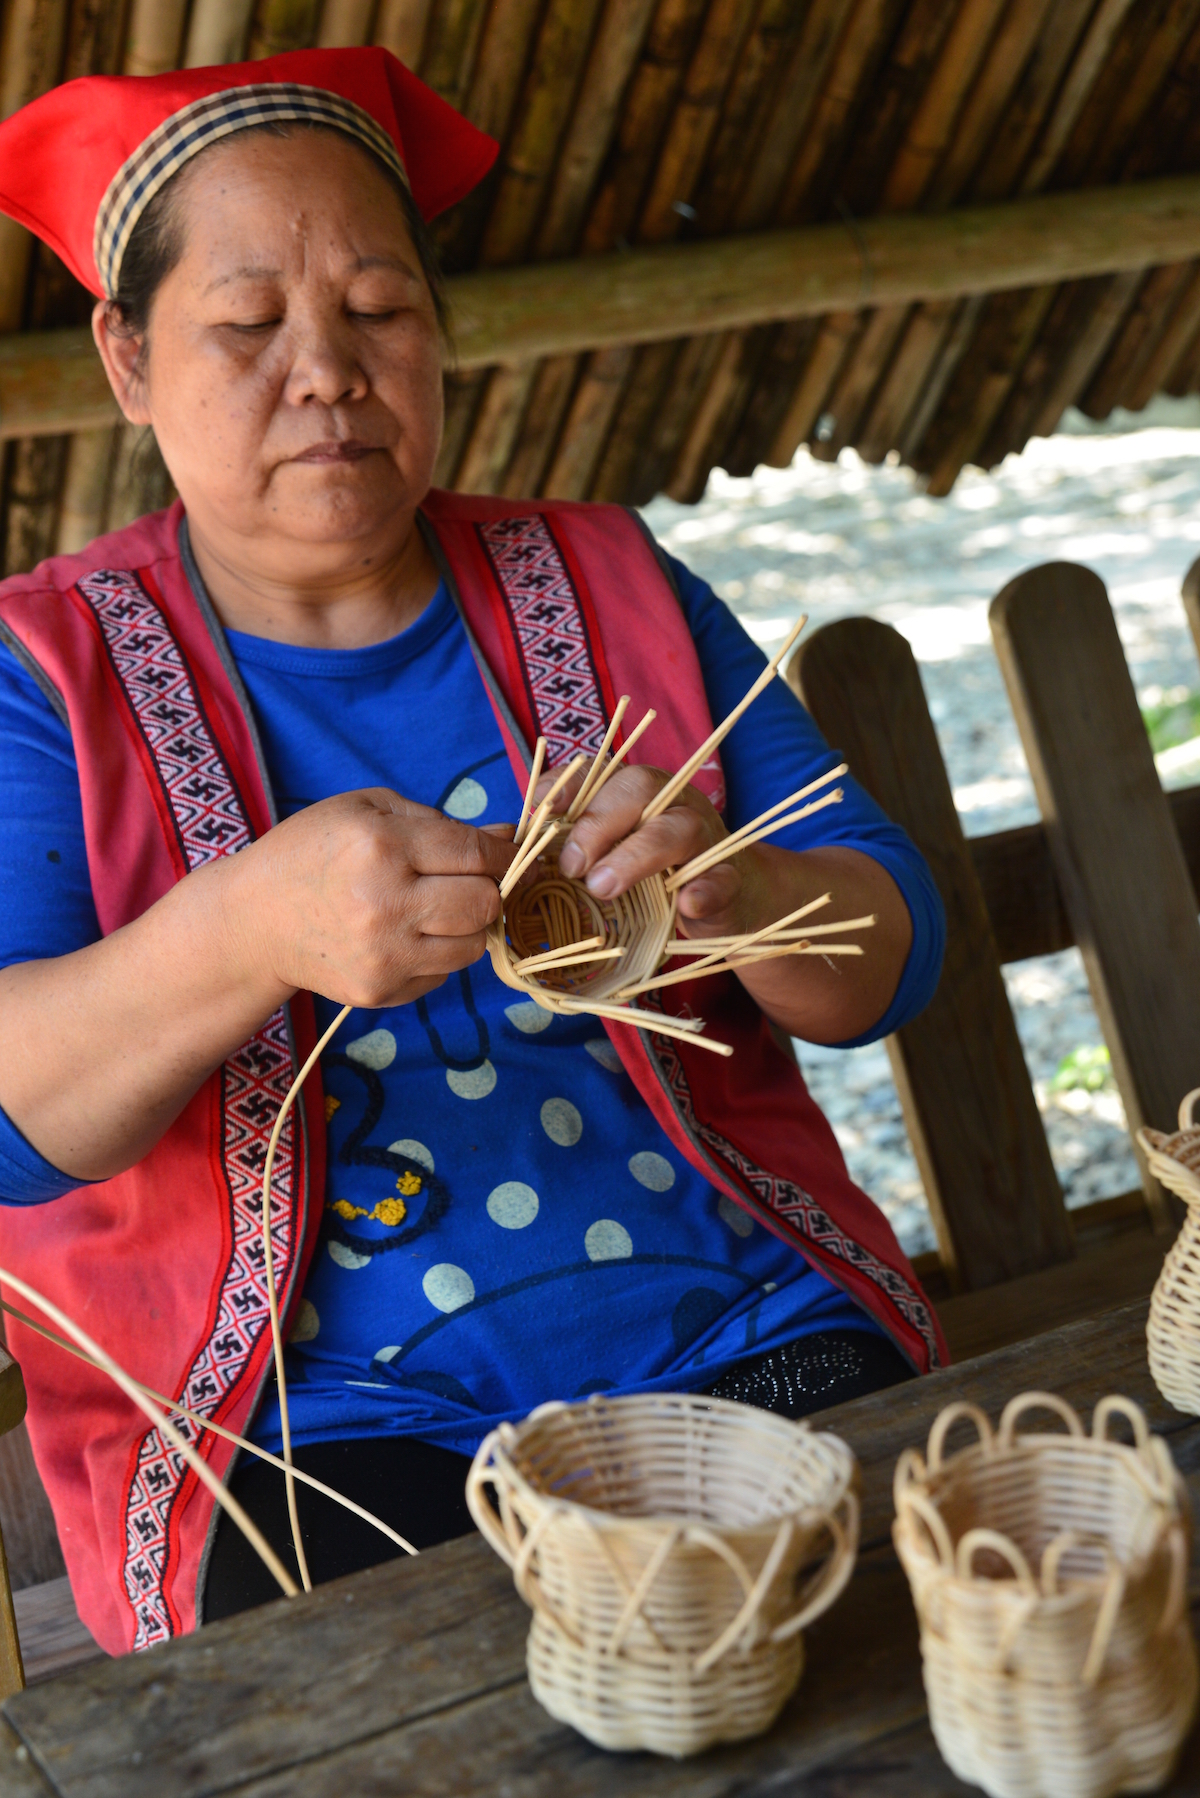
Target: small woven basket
{"points": [[1173, 1327], [671, 1548], [1049, 1574], [553, 912]]}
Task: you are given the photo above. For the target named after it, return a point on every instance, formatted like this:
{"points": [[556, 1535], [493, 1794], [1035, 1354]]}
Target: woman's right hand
{"points": [[368, 898]]}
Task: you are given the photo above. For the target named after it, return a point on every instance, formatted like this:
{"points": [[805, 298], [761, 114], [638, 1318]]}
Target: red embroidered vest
{"points": [[567, 606]]}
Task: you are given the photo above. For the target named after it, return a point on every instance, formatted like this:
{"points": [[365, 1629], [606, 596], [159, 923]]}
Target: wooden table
{"points": [[410, 1678]]}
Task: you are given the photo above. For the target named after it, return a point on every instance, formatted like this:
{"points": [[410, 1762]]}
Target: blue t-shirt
{"points": [[505, 1221]]}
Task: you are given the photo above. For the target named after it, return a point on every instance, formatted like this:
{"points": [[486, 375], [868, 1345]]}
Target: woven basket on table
{"points": [[1173, 1327], [671, 1549], [1049, 1574]]}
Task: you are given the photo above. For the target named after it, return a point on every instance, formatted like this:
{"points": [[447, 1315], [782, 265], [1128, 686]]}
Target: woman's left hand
{"points": [[610, 851], [822, 999]]}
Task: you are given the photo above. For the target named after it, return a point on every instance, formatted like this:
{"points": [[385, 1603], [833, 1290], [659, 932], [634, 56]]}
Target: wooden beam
{"points": [[53, 382], [1021, 890]]}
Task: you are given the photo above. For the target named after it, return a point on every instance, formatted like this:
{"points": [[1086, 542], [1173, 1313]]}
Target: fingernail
{"points": [[602, 881], [570, 860]]}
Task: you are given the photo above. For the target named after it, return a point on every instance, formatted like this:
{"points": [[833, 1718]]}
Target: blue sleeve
{"points": [[46, 905], [776, 748]]}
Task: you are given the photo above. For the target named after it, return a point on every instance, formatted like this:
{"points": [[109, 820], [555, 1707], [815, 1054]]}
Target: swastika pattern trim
{"points": [[560, 675], [210, 820], [799, 1208]]}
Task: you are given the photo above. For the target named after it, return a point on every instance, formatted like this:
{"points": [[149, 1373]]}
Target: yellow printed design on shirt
{"points": [[388, 1211]]}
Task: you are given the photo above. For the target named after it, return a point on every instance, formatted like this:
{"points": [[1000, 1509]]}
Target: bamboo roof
{"points": [[629, 126]]}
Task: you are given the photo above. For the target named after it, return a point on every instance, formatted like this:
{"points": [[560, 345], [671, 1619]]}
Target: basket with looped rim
{"points": [[1173, 1327], [671, 1548], [553, 912], [1049, 1574]]}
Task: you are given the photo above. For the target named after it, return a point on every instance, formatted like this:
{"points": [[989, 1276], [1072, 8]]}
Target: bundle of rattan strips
{"points": [[572, 952]]}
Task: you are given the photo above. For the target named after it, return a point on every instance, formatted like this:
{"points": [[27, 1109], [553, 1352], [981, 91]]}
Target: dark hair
{"points": [[156, 241]]}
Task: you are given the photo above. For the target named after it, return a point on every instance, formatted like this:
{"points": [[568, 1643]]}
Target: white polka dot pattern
{"points": [[561, 1122], [448, 1287], [607, 1240], [652, 1171], [512, 1205], [475, 1083]]}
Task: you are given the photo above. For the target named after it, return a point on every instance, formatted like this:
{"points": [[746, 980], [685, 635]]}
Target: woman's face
{"points": [[293, 369]]}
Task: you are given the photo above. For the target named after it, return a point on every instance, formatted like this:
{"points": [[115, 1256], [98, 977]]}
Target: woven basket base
{"points": [[1019, 1741], [619, 1702]]}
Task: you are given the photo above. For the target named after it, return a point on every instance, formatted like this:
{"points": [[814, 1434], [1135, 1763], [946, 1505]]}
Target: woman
{"points": [[259, 758]]}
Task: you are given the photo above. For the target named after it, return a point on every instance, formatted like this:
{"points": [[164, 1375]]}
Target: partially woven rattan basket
{"points": [[553, 913], [671, 1548], [1049, 1574], [1173, 1327]]}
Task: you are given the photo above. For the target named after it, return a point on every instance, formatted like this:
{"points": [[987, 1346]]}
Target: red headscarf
{"points": [[79, 165]]}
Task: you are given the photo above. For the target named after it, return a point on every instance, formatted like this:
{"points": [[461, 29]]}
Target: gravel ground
{"points": [[835, 539]]}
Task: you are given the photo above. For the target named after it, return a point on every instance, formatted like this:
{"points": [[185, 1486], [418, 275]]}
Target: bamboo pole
{"points": [[451, 42], [85, 485], [217, 32], [849, 76], [529, 155], [644, 117], [400, 27], [30, 51], [1134, 343], [641, 405], [1160, 365], [496, 429], [930, 131], [748, 111], [345, 22], [280, 25], [1030, 109], [825, 25], [1086, 66], [587, 423], [619, 37], [695, 118], [155, 36], [553, 386], [34, 481], [1004, 339], [95, 34], [54, 382]]}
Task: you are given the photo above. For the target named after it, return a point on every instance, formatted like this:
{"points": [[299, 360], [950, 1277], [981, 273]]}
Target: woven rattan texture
{"points": [[672, 1548], [554, 913], [1049, 1574], [1173, 1326]]}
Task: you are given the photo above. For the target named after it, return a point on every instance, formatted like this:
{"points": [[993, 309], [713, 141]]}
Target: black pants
{"points": [[418, 1488]]}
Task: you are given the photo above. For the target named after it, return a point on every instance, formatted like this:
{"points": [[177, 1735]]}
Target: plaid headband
{"points": [[193, 128]]}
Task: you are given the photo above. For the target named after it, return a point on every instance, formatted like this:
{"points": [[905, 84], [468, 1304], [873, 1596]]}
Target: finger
{"points": [[452, 905], [565, 794], [667, 841], [616, 811], [442, 846], [712, 897], [442, 955]]}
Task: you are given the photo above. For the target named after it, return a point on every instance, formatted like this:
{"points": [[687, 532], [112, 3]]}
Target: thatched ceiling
{"points": [[636, 122]]}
